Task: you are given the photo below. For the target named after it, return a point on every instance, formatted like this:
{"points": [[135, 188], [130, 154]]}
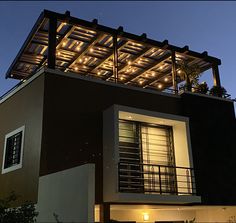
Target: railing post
{"points": [[159, 169], [188, 181]]}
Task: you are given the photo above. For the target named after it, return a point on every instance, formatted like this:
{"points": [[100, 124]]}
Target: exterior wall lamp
{"points": [[145, 217]]}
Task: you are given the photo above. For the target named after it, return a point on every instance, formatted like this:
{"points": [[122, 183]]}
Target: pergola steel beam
{"points": [[174, 72], [149, 68], [216, 75], [51, 54], [78, 56]]}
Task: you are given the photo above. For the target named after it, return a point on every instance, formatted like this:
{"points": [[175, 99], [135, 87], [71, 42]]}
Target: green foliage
{"points": [[190, 74], [23, 214], [218, 91], [202, 88]]}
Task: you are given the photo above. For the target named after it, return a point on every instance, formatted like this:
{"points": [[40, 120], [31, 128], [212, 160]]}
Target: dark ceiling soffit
{"points": [[29, 37], [94, 26]]}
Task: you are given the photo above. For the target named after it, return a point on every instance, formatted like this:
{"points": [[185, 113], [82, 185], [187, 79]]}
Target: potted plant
{"points": [[202, 88], [218, 91]]}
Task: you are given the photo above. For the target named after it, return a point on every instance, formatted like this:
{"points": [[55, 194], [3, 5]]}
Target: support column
{"points": [[216, 75], [51, 54], [115, 58], [104, 213], [174, 73]]}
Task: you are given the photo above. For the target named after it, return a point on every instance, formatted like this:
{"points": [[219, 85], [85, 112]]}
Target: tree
{"points": [[23, 214]]}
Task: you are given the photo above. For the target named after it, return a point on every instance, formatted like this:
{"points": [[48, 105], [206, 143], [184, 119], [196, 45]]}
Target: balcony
{"points": [[156, 179]]}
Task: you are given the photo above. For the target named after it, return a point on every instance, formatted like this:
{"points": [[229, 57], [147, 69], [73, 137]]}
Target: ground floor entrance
{"points": [[169, 213]]}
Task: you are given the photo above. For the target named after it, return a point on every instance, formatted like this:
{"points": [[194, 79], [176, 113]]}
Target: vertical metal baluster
{"points": [[159, 168]]}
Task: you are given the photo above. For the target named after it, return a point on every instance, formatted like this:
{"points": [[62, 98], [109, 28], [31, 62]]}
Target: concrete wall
{"points": [[23, 108], [217, 214], [70, 194]]}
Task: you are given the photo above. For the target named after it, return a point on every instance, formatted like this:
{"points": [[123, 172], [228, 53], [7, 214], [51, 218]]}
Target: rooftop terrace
{"points": [[61, 42]]}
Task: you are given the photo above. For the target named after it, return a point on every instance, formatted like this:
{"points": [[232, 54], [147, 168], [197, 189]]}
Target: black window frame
{"points": [[13, 150]]}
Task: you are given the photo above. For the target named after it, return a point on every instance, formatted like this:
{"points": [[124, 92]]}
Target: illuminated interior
{"points": [[154, 155], [160, 213]]}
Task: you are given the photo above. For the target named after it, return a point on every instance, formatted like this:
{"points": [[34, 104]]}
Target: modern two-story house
{"points": [[98, 129]]}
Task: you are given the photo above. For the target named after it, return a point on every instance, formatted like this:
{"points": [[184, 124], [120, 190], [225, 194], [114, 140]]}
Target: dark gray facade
{"points": [[63, 116]]}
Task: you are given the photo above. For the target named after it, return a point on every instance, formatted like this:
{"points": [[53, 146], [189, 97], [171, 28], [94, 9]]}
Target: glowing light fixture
{"points": [[91, 50], [99, 72], [129, 62], [166, 79], [76, 68], [146, 217], [179, 71], [80, 60], [78, 48], [161, 67], [153, 73], [64, 43], [159, 86]]}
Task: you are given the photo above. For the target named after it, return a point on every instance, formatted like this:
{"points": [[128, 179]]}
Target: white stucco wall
{"points": [[70, 194], [217, 214]]}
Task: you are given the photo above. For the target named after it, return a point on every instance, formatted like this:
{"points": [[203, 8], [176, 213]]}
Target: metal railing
{"points": [[156, 179]]}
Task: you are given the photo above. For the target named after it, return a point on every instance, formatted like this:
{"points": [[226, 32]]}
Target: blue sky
{"points": [[203, 26]]}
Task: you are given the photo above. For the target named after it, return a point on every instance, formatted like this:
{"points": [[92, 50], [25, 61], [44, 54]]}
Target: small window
{"points": [[13, 150]]}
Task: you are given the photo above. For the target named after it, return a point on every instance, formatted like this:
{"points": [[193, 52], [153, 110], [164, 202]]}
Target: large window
{"points": [[13, 150], [147, 161]]}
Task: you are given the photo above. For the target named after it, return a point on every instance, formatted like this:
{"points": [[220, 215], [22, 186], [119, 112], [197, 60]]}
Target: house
{"points": [[99, 129]]}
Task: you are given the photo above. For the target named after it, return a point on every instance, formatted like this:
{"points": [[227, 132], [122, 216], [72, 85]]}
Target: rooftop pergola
{"points": [[59, 41]]}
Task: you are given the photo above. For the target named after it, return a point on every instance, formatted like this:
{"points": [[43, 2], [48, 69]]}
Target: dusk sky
{"points": [[203, 26]]}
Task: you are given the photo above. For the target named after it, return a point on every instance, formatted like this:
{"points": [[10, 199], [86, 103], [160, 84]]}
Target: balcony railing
{"points": [[156, 179]]}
